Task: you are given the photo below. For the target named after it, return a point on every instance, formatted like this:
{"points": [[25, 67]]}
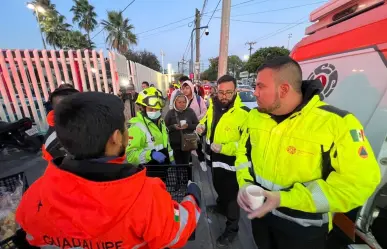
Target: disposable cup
{"points": [[182, 122], [255, 195]]}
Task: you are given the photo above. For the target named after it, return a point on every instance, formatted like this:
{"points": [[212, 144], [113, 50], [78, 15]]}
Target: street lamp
{"points": [[38, 9], [207, 33]]}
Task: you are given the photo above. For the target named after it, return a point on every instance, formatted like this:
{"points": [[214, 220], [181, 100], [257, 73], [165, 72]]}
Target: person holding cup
{"points": [[180, 120]]}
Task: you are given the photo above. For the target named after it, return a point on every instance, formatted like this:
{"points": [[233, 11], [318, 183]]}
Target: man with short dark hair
{"points": [[311, 159], [144, 85], [52, 148], [91, 199], [223, 122]]}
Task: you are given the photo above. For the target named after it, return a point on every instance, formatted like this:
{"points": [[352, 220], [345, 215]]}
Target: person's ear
{"points": [[116, 137], [283, 90]]}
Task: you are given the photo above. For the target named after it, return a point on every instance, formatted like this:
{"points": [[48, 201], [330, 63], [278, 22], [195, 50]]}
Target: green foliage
{"points": [[145, 58], [262, 54], [85, 16], [120, 31], [57, 32], [234, 66]]}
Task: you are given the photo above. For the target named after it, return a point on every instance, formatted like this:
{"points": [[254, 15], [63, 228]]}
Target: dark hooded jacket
{"points": [[174, 116]]}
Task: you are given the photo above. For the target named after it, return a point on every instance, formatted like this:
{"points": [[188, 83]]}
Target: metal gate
{"points": [[27, 77]]}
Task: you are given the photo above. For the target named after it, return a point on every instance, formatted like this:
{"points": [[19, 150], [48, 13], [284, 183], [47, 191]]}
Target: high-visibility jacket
{"points": [[318, 158], [144, 137], [52, 148], [227, 133], [100, 205]]}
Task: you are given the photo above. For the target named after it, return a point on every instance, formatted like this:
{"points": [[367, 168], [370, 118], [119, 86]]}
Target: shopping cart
{"points": [[176, 179], [9, 184]]}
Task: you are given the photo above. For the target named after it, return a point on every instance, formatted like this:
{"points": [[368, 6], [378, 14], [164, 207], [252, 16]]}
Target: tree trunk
{"points": [[88, 37]]}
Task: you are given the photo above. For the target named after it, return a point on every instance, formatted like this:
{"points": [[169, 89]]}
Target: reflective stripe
{"points": [[184, 216], [208, 141], [50, 139], [208, 157], [302, 222], [142, 157], [224, 166], [143, 128], [151, 144], [157, 147], [170, 153], [243, 166], [192, 200], [139, 245], [268, 184], [320, 200]]}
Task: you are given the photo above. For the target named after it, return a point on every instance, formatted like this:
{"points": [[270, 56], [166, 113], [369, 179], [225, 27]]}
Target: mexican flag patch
{"points": [[176, 212], [357, 135]]}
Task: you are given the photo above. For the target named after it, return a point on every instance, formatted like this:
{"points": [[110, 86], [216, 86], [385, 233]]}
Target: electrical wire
{"points": [[164, 31], [259, 22], [120, 13], [281, 30]]}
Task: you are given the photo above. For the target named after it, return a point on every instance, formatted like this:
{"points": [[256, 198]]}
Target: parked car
{"points": [[245, 87], [248, 99]]}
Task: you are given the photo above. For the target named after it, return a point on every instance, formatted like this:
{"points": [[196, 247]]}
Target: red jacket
{"points": [[52, 148], [130, 210]]}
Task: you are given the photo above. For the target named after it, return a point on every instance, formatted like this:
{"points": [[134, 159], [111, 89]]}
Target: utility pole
{"points": [[162, 60], [289, 37], [224, 37], [250, 44], [197, 65]]}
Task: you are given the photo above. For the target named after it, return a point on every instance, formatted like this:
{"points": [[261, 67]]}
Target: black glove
{"points": [[194, 190]]}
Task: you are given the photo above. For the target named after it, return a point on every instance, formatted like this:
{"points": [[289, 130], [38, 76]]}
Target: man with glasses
{"points": [[223, 121], [148, 136]]}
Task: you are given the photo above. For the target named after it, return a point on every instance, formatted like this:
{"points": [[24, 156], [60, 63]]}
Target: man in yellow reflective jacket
{"points": [[311, 159], [148, 135], [223, 122]]}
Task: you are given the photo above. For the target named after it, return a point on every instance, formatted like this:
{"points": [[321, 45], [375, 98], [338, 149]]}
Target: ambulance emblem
{"points": [[328, 76]]}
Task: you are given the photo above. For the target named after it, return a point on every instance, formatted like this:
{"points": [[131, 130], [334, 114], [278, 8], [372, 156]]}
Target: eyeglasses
{"points": [[228, 94]]}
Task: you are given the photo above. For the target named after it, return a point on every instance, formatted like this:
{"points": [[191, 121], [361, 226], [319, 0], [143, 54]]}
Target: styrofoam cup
{"points": [[255, 195], [182, 122]]}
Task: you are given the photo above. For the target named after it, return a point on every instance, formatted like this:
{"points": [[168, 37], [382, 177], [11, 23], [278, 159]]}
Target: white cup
{"points": [[255, 195], [183, 122]]}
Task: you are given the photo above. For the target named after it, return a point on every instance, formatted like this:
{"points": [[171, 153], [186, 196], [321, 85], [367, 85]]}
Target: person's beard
{"points": [[227, 102], [274, 106]]}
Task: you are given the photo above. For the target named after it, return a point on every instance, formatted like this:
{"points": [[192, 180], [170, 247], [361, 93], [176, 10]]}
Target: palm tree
{"points": [[85, 16], [55, 28], [76, 40], [120, 34]]}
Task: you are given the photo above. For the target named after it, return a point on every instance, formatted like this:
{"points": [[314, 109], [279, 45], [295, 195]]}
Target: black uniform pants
{"points": [[267, 236], [226, 185], [181, 157]]}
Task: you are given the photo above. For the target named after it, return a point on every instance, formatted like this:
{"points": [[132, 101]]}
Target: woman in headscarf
{"points": [[180, 120]]}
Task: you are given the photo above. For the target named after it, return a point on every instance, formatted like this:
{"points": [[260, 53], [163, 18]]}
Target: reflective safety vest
{"points": [[318, 158], [227, 133], [144, 137]]}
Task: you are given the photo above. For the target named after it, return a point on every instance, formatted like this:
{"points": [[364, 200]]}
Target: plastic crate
{"points": [[10, 183], [175, 177]]}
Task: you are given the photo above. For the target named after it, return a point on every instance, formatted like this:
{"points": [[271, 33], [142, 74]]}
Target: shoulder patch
{"points": [[245, 108], [335, 110]]}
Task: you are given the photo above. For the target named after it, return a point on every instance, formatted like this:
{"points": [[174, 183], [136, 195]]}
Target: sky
{"points": [[267, 22]]}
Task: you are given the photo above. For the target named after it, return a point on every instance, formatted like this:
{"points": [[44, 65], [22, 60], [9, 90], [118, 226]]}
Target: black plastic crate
{"points": [[175, 177]]}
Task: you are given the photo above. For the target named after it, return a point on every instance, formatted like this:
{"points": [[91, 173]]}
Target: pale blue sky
{"points": [[19, 27]]}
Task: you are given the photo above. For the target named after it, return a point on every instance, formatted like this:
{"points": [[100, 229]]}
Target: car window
{"points": [[247, 96]]}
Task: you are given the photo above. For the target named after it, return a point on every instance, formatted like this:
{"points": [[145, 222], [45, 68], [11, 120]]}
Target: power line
{"points": [[259, 22], [120, 13], [281, 30], [167, 30], [274, 10], [208, 23]]}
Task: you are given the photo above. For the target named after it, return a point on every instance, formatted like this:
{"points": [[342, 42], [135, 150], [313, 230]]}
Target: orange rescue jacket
{"points": [[120, 208]]}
